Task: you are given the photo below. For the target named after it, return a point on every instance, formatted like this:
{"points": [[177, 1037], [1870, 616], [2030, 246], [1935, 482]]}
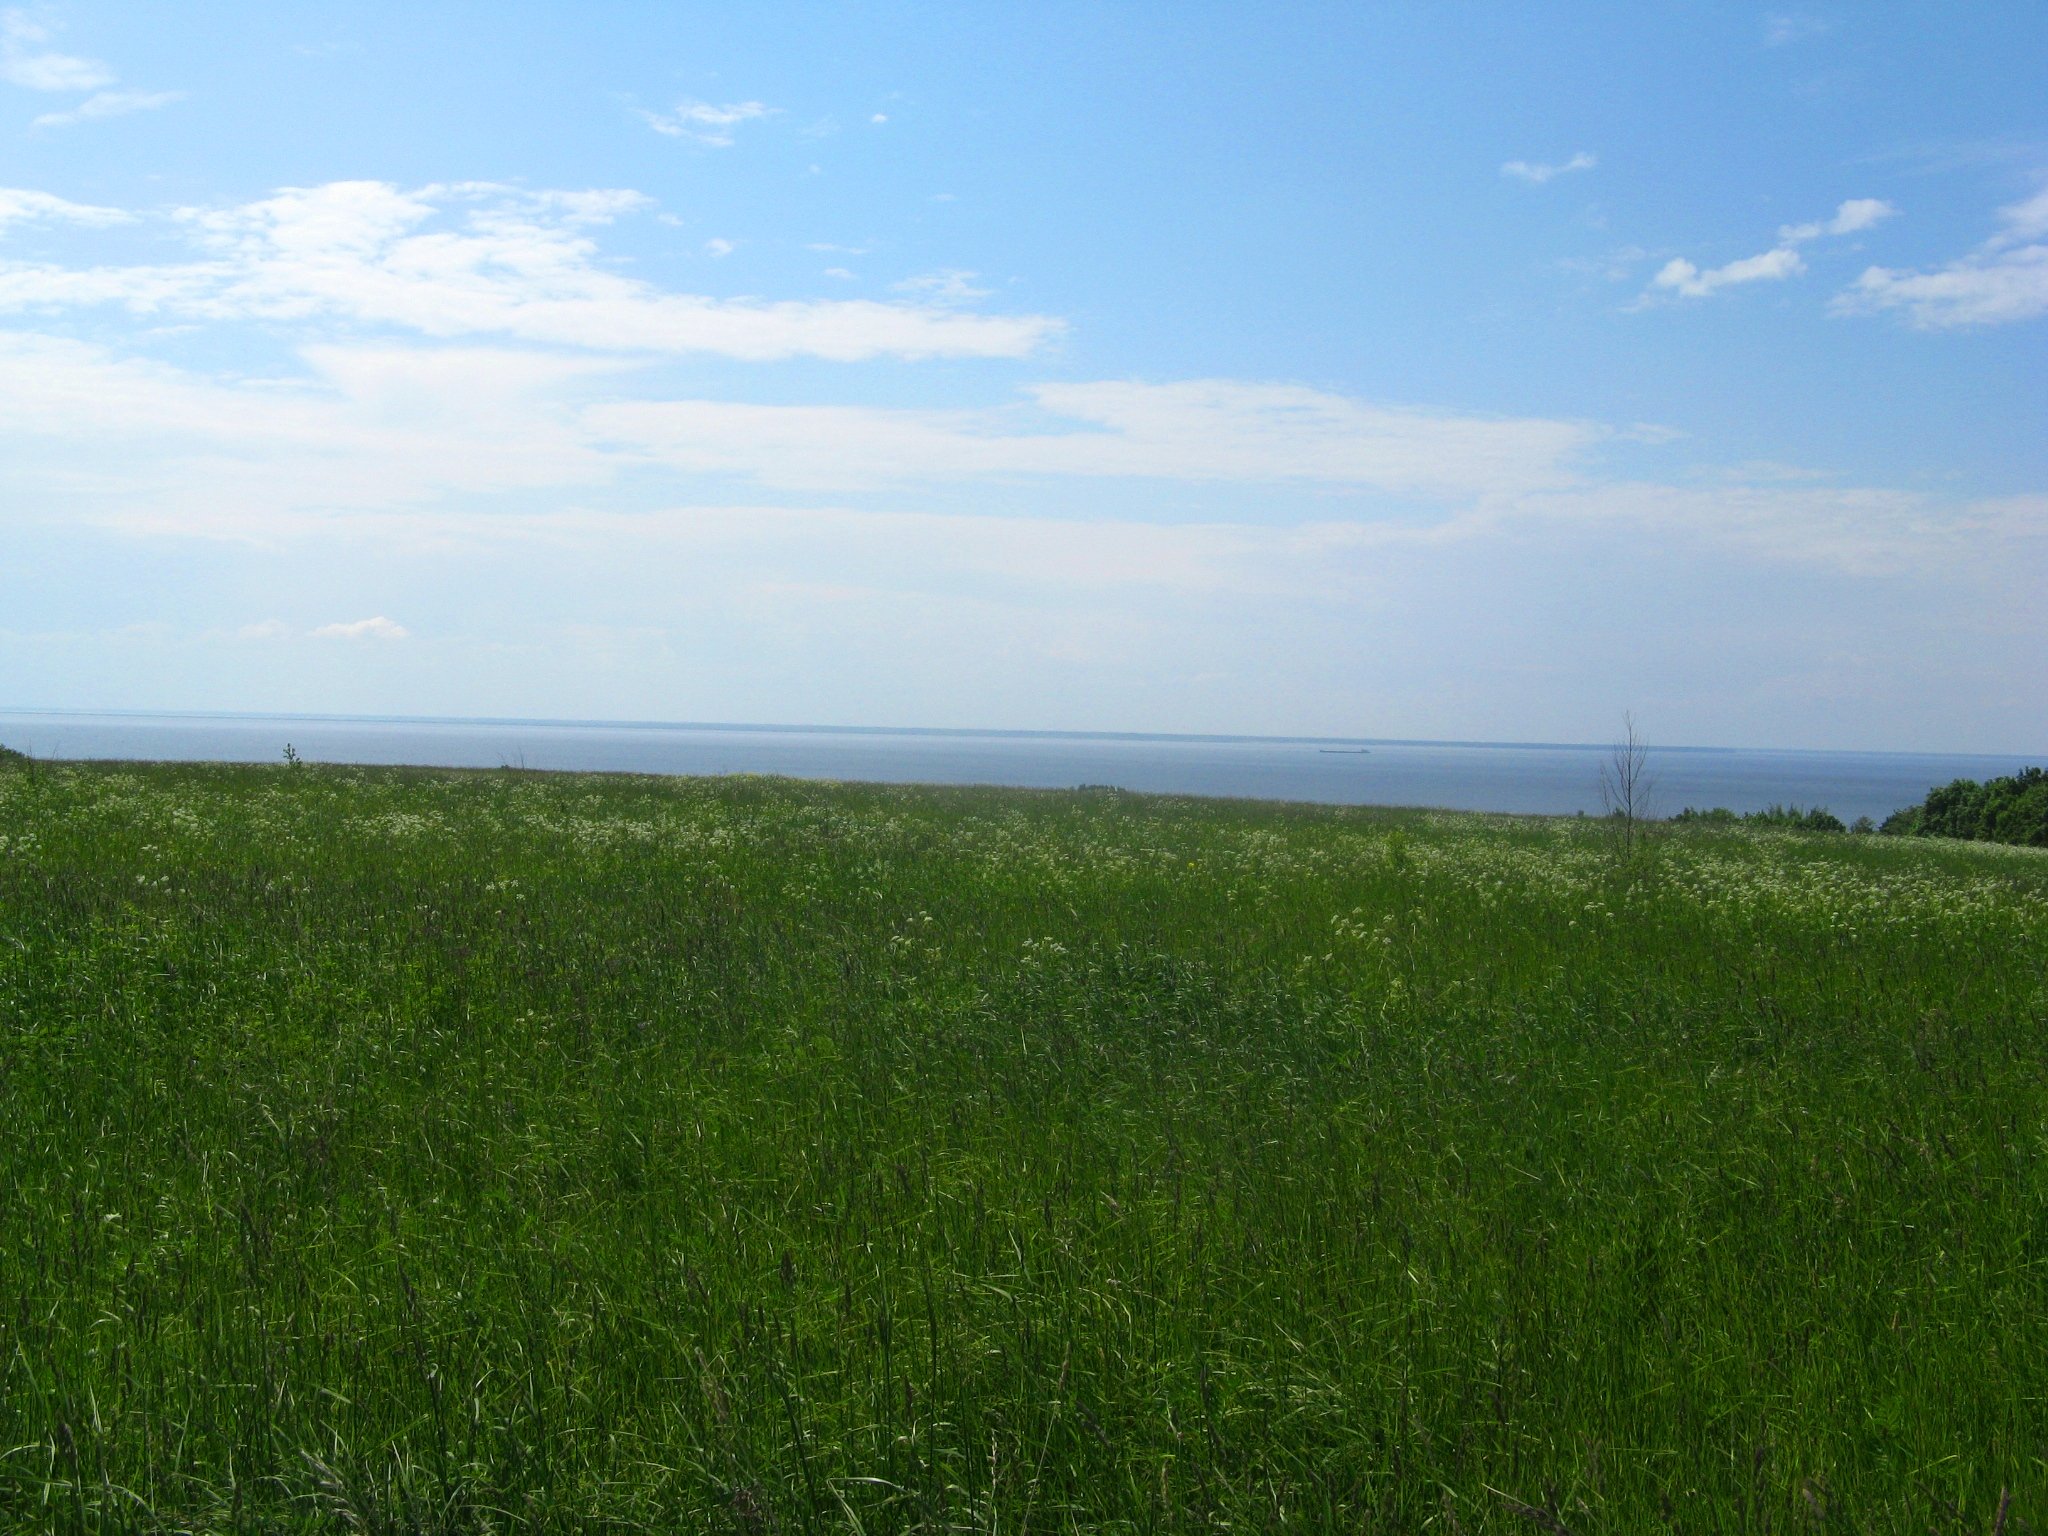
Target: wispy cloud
{"points": [[438, 447], [1680, 276], [472, 260], [1216, 430], [2004, 280], [1617, 266], [1538, 173], [378, 628], [383, 427], [1860, 530], [954, 286], [103, 104], [1783, 28], [417, 437], [19, 205], [25, 62], [704, 122], [1686, 279], [1851, 218], [359, 428], [595, 205]]}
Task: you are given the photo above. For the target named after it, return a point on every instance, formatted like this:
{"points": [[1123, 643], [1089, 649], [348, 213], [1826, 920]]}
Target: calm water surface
{"points": [[1550, 779]]}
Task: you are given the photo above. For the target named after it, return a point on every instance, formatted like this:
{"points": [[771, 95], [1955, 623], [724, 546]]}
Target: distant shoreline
{"points": [[1524, 778], [947, 732]]}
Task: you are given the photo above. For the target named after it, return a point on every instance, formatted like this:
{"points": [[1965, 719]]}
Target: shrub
{"points": [[2013, 809], [1790, 817], [1816, 819], [1901, 823]]}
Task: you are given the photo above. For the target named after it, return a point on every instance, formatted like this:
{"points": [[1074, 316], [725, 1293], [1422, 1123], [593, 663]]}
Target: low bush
{"points": [[1813, 819], [1790, 817]]}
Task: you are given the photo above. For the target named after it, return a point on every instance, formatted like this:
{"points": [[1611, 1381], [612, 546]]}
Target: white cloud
{"points": [[108, 104], [1200, 430], [451, 443], [1860, 213], [1684, 278], [879, 118], [1681, 276], [468, 448], [25, 63], [383, 426], [1993, 287], [2024, 220], [2003, 281], [1852, 217], [474, 260], [716, 247], [135, 442], [378, 628], [704, 122], [1538, 173], [19, 205], [465, 441]]}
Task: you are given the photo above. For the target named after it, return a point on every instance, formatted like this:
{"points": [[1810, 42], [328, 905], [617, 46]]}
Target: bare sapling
{"points": [[1626, 788]]}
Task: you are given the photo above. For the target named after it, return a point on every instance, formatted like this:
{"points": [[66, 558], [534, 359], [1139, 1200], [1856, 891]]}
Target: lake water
{"points": [[1554, 779]]}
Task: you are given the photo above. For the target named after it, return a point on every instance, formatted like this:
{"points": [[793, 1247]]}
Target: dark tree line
{"points": [[2013, 809]]}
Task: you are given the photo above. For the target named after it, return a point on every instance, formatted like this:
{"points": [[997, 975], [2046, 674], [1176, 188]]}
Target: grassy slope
{"points": [[417, 1150]]}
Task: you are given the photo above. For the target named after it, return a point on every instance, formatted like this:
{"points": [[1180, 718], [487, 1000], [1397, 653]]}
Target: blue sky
{"points": [[1471, 372]]}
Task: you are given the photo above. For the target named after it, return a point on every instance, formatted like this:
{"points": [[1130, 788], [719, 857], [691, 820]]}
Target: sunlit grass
{"points": [[395, 1150]]}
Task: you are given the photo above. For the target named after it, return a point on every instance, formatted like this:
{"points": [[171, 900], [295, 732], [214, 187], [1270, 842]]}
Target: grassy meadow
{"points": [[395, 1151]]}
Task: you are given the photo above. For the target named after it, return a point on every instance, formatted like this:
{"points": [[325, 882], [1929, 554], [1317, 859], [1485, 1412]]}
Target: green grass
{"points": [[421, 1151]]}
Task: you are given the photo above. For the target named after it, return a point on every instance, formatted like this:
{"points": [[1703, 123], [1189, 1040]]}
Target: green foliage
{"points": [[1787, 817], [1792, 818], [8, 756], [1904, 822], [2013, 809], [402, 1151]]}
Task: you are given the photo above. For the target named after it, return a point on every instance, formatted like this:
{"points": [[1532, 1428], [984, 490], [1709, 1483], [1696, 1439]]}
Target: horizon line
{"points": [[986, 732]]}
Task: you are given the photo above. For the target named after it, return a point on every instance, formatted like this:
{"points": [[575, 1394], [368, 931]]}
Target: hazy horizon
{"points": [[800, 727]]}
